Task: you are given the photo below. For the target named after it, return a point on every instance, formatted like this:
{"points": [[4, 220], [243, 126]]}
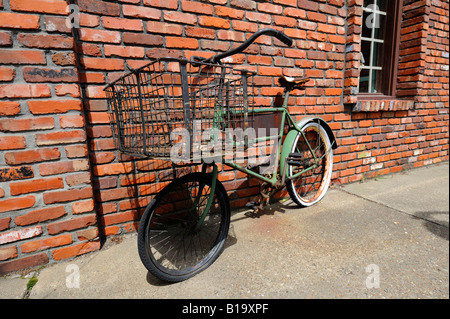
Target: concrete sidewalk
{"points": [[384, 238]]}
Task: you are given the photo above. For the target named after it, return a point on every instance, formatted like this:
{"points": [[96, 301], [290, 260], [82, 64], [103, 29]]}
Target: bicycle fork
{"points": [[210, 198]]}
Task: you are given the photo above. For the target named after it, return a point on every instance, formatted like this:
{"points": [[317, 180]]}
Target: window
{"points": [[379, 47]]}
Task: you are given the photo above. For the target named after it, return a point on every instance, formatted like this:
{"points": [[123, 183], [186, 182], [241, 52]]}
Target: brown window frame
{"points": [[390, 55]]}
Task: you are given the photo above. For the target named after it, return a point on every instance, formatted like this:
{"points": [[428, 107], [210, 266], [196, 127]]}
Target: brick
{"points": [[244, 4], [89, 20], [15, 173], [36, 185], [141, 12], [292, 3], [144, 39], [318, 17], [33, 74], [67, 195], [19, 21], [168, 4], [214, 22], [63, 167], [24, 90], [40, 215], [113, 169], [122, 24], [181, 43], [115, 194], [8, 253], [45, 41], [180, 17], [12, 142], [231, 36], [102, 64], [72, 90], [66, 137], [197, 7], [22, 57], [56, 24], [228, 12], [31, 156], [5, 39], [64, 58], [46, 243], [258, 17], [4, 223], [43, 6], [78, 179], [71, 224], [99, 7], [73, 151], [7, 74], [94, 35], [295, 13], [23, 263], [71, 121], [18, 125], [54, 106], [87, 234], [124, 51], [8, 108], [165, 28], [102, 157], [196, 32], [285, 21], [76, 250], [83, 207], [20, 234], [16, 203], [120, 217]]}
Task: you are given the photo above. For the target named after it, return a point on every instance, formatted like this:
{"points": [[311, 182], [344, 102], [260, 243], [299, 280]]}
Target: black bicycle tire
{"points": [[213, 254], [289, 183]]}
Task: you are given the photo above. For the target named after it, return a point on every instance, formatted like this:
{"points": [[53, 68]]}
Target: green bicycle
{"points": [[203, 111]]}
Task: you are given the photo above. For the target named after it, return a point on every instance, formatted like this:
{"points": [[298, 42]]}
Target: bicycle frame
{"points": [[286, 116]]}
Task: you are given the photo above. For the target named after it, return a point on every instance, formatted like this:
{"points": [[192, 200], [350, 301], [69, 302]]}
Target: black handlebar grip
{"points": [[284, 38]]}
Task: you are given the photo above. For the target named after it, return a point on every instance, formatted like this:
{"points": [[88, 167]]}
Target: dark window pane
{"points": [[368, 3], [376, 81], [365, 51], [364, 81], [367, 24], [382, 4], [380, 25], [377, 58]]}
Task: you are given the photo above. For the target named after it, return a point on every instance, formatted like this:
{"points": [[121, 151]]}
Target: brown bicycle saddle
{"points": [[293, 83]]}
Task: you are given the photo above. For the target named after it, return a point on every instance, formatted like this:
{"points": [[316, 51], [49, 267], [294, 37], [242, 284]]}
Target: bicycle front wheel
{"points": [[309, 173], [173, 243]]}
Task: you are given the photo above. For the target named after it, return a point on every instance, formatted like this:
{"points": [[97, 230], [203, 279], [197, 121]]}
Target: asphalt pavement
{"points": [[382, 238]]}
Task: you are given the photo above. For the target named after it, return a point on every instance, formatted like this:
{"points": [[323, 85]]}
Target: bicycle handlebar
{"points": [[266, 31]]}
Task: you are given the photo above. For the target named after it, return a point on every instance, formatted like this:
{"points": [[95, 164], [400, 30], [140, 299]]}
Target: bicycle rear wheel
{"points": [[309, 187], [170, 244]]}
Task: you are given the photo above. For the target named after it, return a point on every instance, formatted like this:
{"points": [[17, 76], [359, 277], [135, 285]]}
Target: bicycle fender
{"points": [[290, 138]]}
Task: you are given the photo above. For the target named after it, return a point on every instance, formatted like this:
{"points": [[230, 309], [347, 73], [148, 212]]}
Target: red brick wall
{"points": [[63, 186]]}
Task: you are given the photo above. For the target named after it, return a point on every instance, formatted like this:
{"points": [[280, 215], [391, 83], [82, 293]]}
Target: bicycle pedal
{"points": [[295, 159], [295, 155], [252, 205]]}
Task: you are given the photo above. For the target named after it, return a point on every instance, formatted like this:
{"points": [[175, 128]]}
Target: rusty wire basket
{"points": [[175, 102]]}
